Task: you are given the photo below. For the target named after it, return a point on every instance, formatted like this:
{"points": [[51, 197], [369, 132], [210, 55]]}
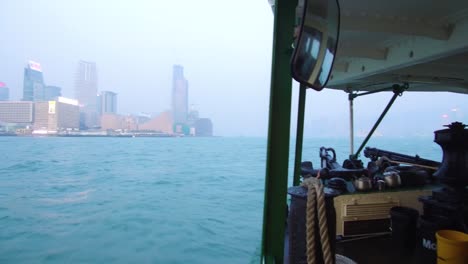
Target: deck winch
{"points": [[447, 207]]}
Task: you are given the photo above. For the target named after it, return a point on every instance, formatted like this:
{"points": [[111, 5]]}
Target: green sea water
{"points": [[143, 200]]}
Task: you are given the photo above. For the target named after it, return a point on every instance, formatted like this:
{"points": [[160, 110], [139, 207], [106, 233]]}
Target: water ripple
{"points": [[142, 200]]}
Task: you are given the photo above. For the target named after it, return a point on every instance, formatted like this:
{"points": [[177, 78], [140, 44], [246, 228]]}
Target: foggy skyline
{"points": [[227, 61]]}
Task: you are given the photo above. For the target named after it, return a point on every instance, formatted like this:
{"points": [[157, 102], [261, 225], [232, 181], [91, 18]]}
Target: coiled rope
{"points": [[316, 199]]}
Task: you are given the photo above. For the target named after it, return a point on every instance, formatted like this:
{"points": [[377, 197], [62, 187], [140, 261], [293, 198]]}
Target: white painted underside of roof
{"points": [[423, 43]]}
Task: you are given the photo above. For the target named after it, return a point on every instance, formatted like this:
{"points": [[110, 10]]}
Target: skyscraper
{"points": [[4, 92], [33, 82], [107, 102], [179, 95], [86, 93], [52, 92]]}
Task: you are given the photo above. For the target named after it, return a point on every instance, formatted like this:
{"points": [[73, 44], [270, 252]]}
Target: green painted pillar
{"points": [[276, 181], [299, 134]]}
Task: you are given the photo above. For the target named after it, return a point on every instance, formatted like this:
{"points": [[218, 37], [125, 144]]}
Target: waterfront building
{"points": [[33, 82], [179, 95], [107, 102], [86, 93], [110, 121], [16, 112], [58, 115], [52, 93], [4, 92], [160, 123], [204, 127]]}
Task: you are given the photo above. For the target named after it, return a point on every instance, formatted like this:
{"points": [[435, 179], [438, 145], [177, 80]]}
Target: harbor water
{"points": [[143, 200]]}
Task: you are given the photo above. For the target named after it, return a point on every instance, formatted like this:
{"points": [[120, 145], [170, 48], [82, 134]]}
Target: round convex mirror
{"points": [[316, 43]]}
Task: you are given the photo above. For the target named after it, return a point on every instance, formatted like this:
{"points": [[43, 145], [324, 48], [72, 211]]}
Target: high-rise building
{"points": [[33, 82], [179, 95], [86, 93], [107, 102], [52, 93], [4, 92]]}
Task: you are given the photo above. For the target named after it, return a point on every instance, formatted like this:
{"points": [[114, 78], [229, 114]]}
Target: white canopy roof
{"points": [[423, 43]]}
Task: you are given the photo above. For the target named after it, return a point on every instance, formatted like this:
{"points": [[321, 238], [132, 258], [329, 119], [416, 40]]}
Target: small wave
{"points": [[206, 229], [4, 217], [162, 182], [215, 220], [33, 165], [71, 198], [52, 215], [68, 182]]}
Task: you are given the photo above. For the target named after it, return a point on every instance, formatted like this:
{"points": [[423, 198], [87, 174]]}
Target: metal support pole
{"points": [[276, 180], [372, 92], [351, 124], [299, 134], [397, 90]]}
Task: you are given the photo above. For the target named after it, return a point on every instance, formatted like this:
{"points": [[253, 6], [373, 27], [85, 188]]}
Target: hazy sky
{"points": [[224, 46]]}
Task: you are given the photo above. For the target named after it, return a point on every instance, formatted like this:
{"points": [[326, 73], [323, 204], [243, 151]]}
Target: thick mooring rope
{"points": [[315, 197], [310, 222]]}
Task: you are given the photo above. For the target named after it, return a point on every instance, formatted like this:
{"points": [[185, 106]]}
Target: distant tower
{"points": [[86, 93], [107, 102], [4, 92], [33, 82], [179, 95]]}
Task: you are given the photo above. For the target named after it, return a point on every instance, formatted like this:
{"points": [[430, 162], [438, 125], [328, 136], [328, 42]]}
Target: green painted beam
{"points": [[299, 135], [276, 180]]}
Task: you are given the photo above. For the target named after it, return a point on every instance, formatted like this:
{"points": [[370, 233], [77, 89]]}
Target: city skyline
{"points": [[228, 64], [86, 84], [454, 113], [53, 114]]}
